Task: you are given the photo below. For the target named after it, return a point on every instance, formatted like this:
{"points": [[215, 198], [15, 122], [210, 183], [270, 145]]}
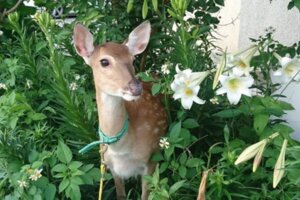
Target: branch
{"points": [[11, 10]]}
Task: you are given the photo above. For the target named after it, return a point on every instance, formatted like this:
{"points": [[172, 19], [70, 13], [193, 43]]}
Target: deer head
{"points": [[112, 63]]}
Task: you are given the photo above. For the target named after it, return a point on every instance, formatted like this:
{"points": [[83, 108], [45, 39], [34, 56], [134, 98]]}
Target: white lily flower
{"points": [[290, 68], [186, 86], [241, 62], [279, 166], [1, 32], [36, 175], [188, 95], [189, 77], [235, 86]]}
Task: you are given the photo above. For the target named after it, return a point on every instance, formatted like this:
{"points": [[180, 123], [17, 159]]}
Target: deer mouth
{"points": [[128, 96]]}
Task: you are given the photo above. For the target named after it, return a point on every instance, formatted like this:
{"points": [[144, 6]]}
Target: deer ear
{"points": [[83, 41], [138, 39]]}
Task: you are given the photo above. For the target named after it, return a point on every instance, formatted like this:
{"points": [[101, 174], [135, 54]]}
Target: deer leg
{"points": [[145, 189], [120, 188]]}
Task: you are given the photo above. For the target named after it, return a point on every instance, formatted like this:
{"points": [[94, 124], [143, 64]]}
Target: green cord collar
{"points": [[104, 139]]}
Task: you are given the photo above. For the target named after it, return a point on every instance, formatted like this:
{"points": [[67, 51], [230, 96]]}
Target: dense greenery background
{"points": [[48, 110]]}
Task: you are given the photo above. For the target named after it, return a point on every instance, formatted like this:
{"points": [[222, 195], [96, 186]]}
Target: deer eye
{"points": [[104, 62]]}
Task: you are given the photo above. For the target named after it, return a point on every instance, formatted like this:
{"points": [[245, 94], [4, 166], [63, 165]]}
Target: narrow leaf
{"points": [[129, 6], [145, 9], [155, 4]]}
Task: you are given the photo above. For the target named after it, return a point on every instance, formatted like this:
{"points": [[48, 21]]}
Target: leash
{"points": [[104, 142], [103, 149], [104, 139]]}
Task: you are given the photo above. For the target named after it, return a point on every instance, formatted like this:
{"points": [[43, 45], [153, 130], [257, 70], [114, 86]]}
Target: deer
{"points": [[121, 98]]}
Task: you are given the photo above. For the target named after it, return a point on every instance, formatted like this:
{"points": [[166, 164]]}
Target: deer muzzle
{"points": [[135, 87]]}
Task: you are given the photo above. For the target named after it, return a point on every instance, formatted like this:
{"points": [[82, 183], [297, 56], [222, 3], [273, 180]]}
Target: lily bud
{"points": [[255, 150], [279, 166], [251, 151], [220, 68], [258, 157]]}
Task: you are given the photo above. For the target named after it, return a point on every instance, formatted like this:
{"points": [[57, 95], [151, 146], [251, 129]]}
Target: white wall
{"points": [[251, 19]]}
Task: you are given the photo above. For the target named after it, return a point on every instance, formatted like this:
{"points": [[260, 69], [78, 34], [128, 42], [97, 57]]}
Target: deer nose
{"points": [[135, 87]]}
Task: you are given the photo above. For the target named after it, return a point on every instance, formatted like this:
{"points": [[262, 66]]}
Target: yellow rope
{"points": [[102, 171], [103, 149]]}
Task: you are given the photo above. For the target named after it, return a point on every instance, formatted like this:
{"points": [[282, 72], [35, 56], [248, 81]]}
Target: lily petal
{"points": [[234, 98]]}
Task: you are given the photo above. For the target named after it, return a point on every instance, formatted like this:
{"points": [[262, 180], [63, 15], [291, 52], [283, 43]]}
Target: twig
{"points": [[11, 10]]}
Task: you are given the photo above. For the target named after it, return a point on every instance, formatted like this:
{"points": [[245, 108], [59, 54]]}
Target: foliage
{"points": [[48, 111]]}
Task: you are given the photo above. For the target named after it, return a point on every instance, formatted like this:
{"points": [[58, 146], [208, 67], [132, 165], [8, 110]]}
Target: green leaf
{"points": [[183, 158], [182, 171], [13, 122], [260, 122], [291, 5], [155, 88], [283, 129], [37, 164], [63, 185], [157, 157], [194, 162], [176, 186], [74, 165], [163, 167], [75, 192], [49, 192], [40, 45], [297, 4], [175, 131], [64, 153], [228, 113], [60, 168], [173, 14], [286, 106], [155, 5], [129, 6], [33, 156], [220, 2], [37, 116], [226, 134], [190, 123], [169, 152], [145, 77], [145, 9], [76, 180], [213, 9]]}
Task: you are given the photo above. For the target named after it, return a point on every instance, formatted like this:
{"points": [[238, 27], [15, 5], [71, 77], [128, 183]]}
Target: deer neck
{"points": [[111, 113]]}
